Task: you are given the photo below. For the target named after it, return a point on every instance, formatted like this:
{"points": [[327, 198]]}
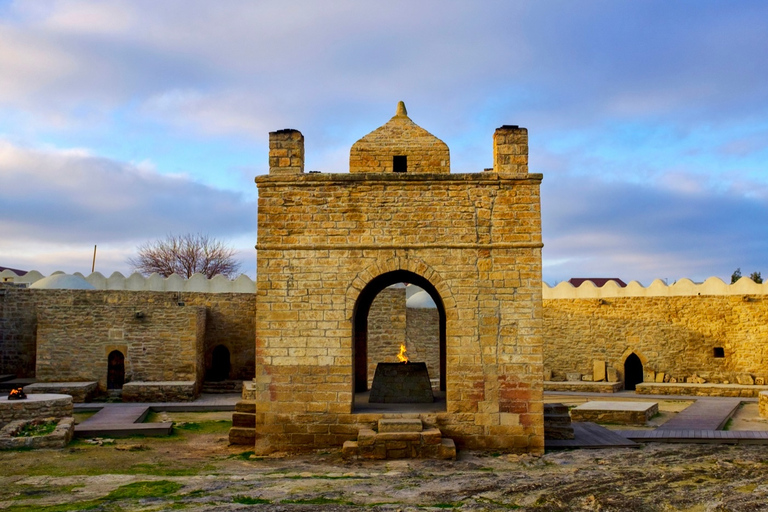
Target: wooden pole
{"points": [[93, 266]]}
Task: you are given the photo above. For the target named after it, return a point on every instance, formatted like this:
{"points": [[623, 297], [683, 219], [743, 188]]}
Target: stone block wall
{"points": [[165, 344], [422, 333], [386, 328], [324, 238], [228, 321], [18, 318], [673, 335]]}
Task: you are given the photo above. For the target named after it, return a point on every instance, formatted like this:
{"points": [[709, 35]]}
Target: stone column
{"points": [[286, 152], [510, 150]]}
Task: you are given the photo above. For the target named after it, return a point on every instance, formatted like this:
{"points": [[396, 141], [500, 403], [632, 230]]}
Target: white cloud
{"points": [[57, 201]]}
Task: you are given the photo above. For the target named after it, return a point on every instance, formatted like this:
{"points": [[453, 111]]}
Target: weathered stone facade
{"points": [[164, 344], [328, 244], [675, 336], [97, 320]]}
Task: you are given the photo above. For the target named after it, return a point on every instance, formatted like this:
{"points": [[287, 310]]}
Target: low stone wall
{"points": [[59, 438], [35, 406], [178, 391], [734, 390], [79, 391], [763, 404]]}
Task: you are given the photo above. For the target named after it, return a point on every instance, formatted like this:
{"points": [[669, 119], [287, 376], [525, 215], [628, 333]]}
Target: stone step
{"points": [[248, 406], [243, 419], [555, 409], [242, 436], [557, 422], [557, 419], [400, 438], [225, 386], [400, 425]]}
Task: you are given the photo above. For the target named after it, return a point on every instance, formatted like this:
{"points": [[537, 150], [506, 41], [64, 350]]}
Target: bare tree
{"points": [[186, 255]]}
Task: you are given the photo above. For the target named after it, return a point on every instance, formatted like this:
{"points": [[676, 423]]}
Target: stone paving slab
{"points": [[628, 413]]}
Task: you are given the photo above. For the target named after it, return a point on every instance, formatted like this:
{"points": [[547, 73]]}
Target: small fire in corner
{"points": [[17, 394], [401, 356]]}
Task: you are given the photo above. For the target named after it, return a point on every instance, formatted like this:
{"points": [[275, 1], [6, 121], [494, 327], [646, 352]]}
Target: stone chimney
{"points": [[510, 150], [286, 152]]}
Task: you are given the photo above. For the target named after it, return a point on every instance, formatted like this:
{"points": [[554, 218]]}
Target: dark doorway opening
{"points": [[633, 372], [400, 163], [360, 326], [220, 364], [115, 370]]}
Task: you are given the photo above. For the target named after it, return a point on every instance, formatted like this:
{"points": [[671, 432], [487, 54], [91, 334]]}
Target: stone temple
{"points": [[329, 243]]}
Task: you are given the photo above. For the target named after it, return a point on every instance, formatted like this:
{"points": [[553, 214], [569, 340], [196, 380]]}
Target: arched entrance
{"points": [[360, 323], [115, 370], [633, 372], [220, 364]]}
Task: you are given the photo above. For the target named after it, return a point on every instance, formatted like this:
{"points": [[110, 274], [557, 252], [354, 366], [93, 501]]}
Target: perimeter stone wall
{"points": [[165, 344], [229, 321], [324, 238], [18, 318], [675, 336]]}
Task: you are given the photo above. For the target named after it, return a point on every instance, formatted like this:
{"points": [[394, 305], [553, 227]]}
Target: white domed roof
{"points": [[421, 300], [63, 282]]}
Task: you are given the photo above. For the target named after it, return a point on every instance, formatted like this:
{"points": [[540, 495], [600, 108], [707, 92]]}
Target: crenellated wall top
{"points": [[154, 283], [658, 288]]}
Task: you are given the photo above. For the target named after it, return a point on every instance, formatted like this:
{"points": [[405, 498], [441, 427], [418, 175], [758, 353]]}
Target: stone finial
{"points": [[401, 109], [510, 150], [286, 152]]}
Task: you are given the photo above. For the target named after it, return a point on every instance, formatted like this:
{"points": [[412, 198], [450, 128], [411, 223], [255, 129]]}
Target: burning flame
{"points": [[17, 394], [401, 356]]}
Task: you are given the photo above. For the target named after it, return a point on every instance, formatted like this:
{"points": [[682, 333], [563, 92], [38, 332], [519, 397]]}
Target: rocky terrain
{"points": [[195, 470]]}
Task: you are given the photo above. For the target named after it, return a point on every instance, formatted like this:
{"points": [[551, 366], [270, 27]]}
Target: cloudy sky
{"points": [[123, 121]]}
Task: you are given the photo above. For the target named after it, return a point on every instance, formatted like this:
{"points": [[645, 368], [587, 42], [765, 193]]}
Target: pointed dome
{"points": [[400, 145]]}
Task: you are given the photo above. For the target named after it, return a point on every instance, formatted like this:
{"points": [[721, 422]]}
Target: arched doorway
{"points": [[360, 323], [633, 372], [220, 364], [115, 370]]}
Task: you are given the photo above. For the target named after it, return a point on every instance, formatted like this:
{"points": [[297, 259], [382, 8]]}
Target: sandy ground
{"points": [[195, 469]]}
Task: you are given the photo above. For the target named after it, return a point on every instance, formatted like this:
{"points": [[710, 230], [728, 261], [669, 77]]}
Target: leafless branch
{"points": [[186, 255]]}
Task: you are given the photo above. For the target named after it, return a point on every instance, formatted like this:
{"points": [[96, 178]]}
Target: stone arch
{"points": [[115, 370], [366, 287], [633, 363], [632, 350]]}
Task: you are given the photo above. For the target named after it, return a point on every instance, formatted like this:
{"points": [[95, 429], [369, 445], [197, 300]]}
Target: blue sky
{"points": [[122, 121]]}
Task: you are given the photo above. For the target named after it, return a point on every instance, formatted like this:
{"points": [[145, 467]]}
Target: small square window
{"points": [[719, 352], [400, 163]]}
